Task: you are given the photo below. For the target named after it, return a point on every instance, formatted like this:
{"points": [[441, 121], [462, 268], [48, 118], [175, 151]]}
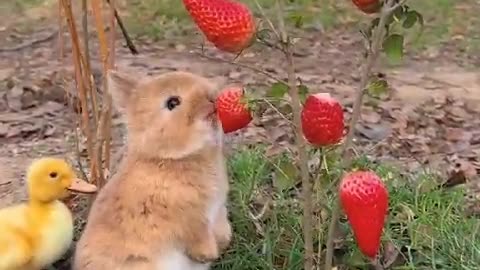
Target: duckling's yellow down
{"points": [[35, 234]]}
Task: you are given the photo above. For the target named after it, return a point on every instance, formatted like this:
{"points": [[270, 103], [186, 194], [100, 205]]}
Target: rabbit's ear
{"points": [[121, 86]]}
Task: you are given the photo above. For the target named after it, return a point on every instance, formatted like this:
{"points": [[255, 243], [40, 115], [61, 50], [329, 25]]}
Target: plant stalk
{"points": [[373, 53], [299, 140], [80, 77], [302, 160]]}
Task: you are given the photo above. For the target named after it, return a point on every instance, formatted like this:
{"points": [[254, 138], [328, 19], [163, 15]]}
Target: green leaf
{"points": [[393, 47], [303, 92], [396, 15], [377, 87], [410, 19], [285, 175], [285, 108], [250, 98], [365, 33], [373, 24], [264, 34], [298, 19], [420, 20], [356, 258], [277, 90]]}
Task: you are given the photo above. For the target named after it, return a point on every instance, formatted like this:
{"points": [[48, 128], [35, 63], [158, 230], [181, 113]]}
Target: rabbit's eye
{"points": [[172, 102]]}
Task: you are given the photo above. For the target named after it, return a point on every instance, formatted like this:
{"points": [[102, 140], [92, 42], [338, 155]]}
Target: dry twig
{"points": [[81, 81], [245, 66], [125, 34]]}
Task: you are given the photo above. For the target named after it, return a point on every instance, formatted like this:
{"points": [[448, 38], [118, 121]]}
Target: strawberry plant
{"points": [[317, 120]]}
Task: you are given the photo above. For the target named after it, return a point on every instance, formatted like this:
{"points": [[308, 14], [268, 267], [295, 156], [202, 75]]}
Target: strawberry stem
{"points": [[321, 197]]}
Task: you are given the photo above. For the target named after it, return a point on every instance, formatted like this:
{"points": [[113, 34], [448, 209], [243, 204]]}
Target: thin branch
{"points": [[319, 199], [86, 50], [299, 140], [373, 53], [257, 70], [81, 82], [61, 47], [270, 44], [393, 6], [103, 131], [68, 96], [97, 14], [86, 47], [265, 17], [30, 43], [107, 128], [277, 111], [125, 34], [303, 159]]}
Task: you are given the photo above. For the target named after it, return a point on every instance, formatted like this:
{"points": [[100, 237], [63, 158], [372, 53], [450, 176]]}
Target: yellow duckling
{"points": [[35, 234]]}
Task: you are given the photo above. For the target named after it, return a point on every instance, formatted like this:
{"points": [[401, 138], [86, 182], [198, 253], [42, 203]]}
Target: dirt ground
{"points": [[431, 119]]}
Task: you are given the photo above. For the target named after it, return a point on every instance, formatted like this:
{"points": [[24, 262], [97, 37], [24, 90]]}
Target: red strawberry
{"points": [[322, 120], [229, 25], [365, 201], [368, 6], [231, 111]]}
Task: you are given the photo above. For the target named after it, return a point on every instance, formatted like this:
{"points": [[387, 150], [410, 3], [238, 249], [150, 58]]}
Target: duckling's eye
{"points": [[172, 102], [53, 175]]}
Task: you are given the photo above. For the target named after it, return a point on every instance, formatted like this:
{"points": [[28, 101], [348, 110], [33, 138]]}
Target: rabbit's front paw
{"points": [[205, 250], [223, 232]]}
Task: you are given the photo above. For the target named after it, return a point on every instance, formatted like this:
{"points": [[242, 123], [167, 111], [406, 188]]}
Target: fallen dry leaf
{"points": [[374, 132], [13, 131], [462, 171], [391, 255], [3, 129], [6, 73], [457, 134], [370, 116]]}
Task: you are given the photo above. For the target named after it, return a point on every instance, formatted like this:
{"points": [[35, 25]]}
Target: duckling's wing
{"points": [[15, 248]]}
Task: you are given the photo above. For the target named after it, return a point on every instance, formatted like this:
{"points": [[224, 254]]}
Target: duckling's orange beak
{"points": [[82, 186]]}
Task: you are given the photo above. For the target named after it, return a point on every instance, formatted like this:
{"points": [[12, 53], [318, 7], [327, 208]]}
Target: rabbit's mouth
{"points": [[210, 110]]}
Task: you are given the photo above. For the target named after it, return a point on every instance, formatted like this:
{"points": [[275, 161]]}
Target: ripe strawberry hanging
{"points": [[364, 199], [233, 114], [368, 6], [322, 120], [229, 25]]}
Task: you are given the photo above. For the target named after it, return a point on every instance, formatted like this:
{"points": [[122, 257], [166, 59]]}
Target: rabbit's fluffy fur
{"points": [[165, 208]]}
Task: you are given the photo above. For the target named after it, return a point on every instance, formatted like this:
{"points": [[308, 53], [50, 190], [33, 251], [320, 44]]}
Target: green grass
{"points": [[425, 223], [18, 6]]}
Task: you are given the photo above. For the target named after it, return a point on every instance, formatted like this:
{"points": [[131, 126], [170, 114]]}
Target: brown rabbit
{"points": [[165, 208]]}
